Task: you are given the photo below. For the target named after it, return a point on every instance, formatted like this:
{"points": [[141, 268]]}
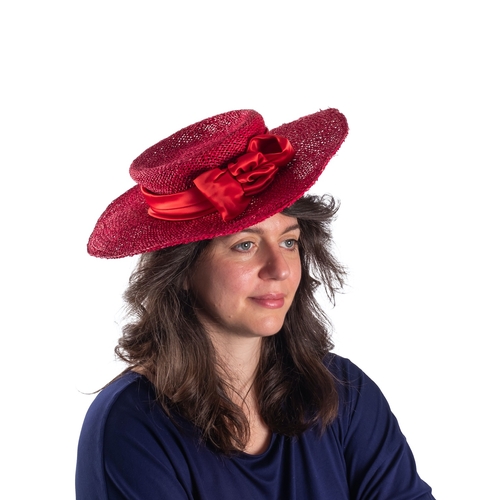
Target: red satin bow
{"points": [[226, 190]]}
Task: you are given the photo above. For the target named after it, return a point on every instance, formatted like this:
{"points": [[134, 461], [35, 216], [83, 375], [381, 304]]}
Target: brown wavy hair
{"points": [[164, 340]]}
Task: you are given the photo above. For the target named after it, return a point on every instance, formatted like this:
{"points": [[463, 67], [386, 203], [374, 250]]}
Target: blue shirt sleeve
{"points": [[120, 456], [135, 463], [379, 462]]}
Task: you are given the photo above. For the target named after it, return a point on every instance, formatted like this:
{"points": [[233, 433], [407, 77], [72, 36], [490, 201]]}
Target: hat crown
{"points": [[171, 165]]}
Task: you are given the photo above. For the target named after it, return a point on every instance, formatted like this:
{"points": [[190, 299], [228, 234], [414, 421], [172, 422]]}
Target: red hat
{"points": [[216, 177]]}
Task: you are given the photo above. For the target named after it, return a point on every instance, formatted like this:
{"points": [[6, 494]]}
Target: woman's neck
{"points": [[238, 360]]}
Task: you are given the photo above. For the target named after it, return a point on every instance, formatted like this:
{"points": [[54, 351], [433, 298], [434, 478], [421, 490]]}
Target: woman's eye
{"points": [[244, 247], [290, 244]]}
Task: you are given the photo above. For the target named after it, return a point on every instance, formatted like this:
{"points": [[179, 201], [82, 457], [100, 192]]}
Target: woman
{"points": [[231, 390]]}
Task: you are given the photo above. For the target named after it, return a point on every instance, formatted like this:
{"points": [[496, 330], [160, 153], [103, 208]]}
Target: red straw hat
{"points": [[214, 178]]}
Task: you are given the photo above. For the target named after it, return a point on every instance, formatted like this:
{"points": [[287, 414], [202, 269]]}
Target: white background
{"points": [[87, 86]]}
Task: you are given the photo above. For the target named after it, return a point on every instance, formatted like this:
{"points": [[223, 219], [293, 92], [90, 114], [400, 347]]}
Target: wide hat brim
{"points": [[126, 228]]}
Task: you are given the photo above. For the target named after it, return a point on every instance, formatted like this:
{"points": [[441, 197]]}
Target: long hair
{"points": [[164, 338]]}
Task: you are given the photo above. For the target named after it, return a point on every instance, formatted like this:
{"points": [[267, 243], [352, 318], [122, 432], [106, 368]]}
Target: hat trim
{"points": [[227, 190]]}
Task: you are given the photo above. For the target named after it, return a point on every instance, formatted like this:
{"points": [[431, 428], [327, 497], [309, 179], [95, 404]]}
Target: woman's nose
{"points": [[275, 265]]}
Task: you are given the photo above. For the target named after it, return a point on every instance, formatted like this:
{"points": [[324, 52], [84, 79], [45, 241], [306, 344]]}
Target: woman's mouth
{"points": [[270, 300]]}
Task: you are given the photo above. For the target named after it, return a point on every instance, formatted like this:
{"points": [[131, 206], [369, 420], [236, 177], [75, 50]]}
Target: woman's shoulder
{"points": [[343, 369], [355, 388], [126, 387], [125, 395], [130, 395]]}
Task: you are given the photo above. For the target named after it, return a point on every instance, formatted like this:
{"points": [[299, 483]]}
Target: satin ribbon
{"points": [[226, 190]]}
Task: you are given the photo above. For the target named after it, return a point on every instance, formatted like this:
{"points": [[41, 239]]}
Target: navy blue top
{"points": [[129, 449]]}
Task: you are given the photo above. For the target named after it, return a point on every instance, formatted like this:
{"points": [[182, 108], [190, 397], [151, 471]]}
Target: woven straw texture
{"points": [[125, 228]]}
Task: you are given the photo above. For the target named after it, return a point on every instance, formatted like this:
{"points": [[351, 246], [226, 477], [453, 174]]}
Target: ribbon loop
{"points": [[227, 190]]}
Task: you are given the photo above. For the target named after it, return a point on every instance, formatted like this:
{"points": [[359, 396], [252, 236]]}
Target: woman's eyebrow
{"points": [[259, 231]]}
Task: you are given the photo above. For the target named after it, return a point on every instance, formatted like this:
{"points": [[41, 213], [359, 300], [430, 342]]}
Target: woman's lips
{"points": [[270, 300]]}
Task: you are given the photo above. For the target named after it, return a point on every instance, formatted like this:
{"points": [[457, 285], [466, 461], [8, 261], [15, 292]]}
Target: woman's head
{"points": [[255, 276]]}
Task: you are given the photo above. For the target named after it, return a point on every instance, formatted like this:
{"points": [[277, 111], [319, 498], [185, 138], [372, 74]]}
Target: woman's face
{"points": [[244, 283]]}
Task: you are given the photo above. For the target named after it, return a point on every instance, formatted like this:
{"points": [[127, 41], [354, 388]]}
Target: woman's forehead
{"points": [[278, 224]]}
